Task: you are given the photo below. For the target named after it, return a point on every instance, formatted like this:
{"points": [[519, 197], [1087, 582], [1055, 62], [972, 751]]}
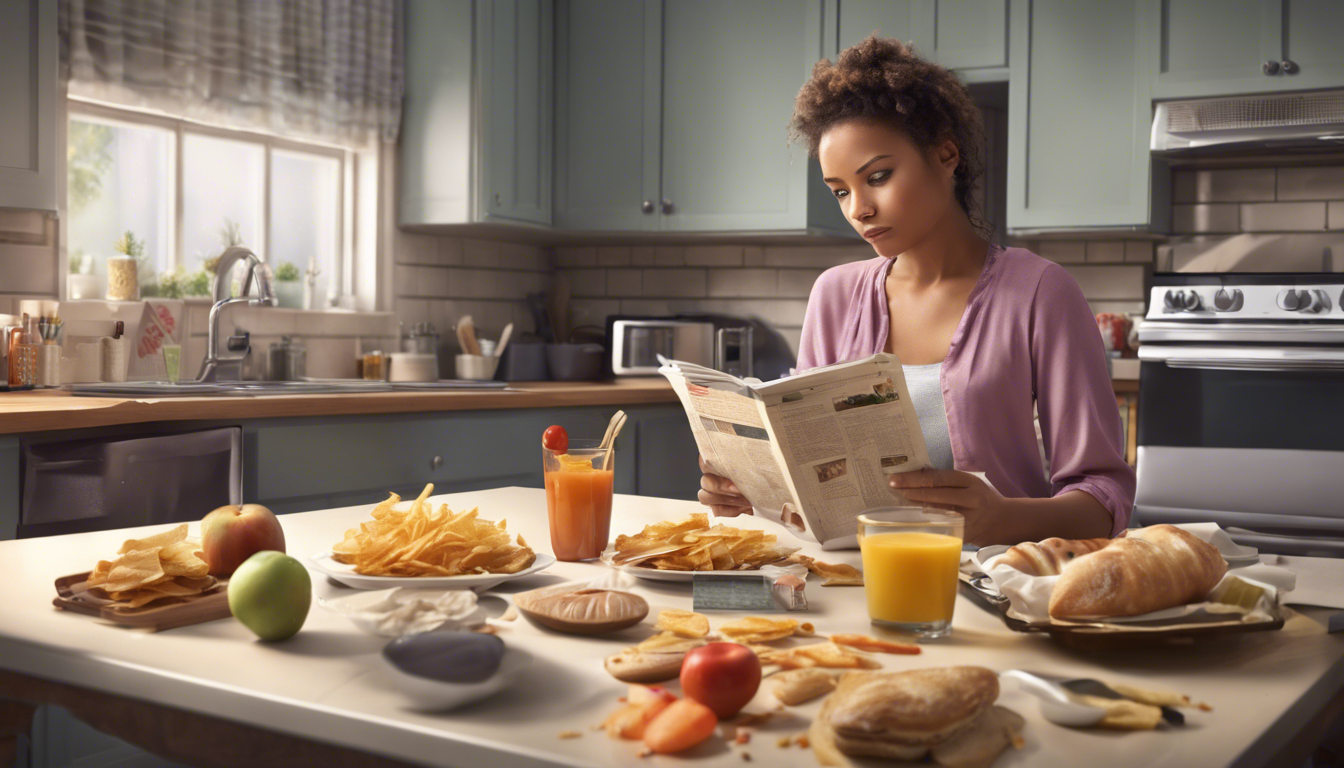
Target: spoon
{"points": [[609, 439], [504, 340], [1058, 706]]}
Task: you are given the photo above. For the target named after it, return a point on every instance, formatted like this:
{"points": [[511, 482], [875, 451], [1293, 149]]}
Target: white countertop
{"points": [[324, 685]]}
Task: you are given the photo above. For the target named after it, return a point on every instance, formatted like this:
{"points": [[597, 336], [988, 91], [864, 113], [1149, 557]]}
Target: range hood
{"points": [[1297, 122]]}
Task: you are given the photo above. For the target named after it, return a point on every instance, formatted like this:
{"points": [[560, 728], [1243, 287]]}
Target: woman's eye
{"points": [[879, 177], [839, 193]]}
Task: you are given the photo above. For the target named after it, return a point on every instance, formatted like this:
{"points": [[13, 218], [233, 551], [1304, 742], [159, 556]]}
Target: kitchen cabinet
{"points": [[28, 94], [970, 36], [1079, 115], [477, 113], [687, 130], [1222, 47]]}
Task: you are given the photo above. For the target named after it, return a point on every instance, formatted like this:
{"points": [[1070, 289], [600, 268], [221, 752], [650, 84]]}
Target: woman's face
{"points": [[889, 191]]}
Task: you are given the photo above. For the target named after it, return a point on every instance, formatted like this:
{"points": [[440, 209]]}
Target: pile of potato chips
{"points": [[166, 566], [691, 545], [423, 542]]}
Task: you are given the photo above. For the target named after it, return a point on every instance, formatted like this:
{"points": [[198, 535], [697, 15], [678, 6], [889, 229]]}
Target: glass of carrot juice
{"points": [[910, 561], [578, 498]]}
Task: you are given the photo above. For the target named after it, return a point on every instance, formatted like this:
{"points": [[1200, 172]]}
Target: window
{"points": [[186, 191]]}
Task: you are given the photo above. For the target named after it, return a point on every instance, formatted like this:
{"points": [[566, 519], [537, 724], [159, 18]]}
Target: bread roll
{"points": [[1152, 568], [1048, 557], [901, 715]]}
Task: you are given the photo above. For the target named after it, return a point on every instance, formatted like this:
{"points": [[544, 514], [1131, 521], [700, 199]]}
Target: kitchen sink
{"points": [[265, 388]]}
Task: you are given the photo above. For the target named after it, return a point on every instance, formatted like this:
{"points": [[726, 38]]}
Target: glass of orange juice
{"points": [[578, 498], [910, 561]]}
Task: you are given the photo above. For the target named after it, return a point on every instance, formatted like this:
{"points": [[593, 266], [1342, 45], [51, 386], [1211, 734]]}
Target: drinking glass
{"points": [[911, 557], [578, 499]]}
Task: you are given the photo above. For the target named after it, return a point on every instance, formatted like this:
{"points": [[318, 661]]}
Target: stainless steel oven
{"points": [[1241, 408]]}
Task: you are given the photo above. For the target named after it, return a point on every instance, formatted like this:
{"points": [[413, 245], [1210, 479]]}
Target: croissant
{"points": [[1048, 557], [1152, 568]]}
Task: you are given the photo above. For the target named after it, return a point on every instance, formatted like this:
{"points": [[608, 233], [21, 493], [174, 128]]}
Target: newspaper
{"points": [[810, 451]]}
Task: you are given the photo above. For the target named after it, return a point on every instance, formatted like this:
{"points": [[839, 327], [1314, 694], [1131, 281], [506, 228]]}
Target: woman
{"points": [[986, 334]]}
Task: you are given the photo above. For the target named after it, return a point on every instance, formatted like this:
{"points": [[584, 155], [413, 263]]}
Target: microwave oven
{"points": [[636, 343]]}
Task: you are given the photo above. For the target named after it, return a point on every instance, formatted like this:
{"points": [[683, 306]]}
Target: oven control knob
{"points": [[1226, 300], [1292, 300], [1191, 302], [1316, 302], [1174, 299]]}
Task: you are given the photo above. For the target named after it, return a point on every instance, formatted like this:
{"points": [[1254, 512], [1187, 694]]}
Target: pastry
{"points": [[1048, 558], [580, 610], [1152, 568]]}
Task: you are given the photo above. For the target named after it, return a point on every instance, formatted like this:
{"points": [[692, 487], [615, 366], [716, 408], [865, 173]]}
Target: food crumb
{"points": [[570, 734], [1202, 707], [509, 614], [645, 752], [802, 740], [746, 757], [743, 737], [784, 742], [487, 629]]}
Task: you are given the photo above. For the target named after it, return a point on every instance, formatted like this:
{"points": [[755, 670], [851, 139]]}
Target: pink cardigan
{"points": [[1027, 336]]}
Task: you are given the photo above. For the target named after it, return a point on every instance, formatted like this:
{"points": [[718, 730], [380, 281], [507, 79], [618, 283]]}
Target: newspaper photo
{"points": [[810, 451]]}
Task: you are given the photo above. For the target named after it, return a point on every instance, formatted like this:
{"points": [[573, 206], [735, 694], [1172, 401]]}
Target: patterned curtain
{"points": [[331, 70]]}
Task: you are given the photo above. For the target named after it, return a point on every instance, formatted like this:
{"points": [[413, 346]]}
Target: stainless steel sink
{"points": [[264, 388]]}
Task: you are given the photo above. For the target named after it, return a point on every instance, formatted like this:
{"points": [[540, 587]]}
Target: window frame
{"points": [[341, 284]]}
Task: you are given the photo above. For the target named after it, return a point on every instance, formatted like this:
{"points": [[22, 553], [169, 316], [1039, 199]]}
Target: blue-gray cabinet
{"points": [[1079, 116], [28, 95], [970, 36], [1223, 47], [688, 132], [478, 114]]}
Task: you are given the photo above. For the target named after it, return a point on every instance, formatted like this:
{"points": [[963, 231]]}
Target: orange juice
{"points": [[578, 499], [910, 577]]}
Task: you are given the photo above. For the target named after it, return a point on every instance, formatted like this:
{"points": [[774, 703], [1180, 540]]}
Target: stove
{"points": [[1241, 407]]}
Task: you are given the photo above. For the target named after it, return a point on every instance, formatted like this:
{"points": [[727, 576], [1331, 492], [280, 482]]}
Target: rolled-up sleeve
{"points": [[1080, 421]]}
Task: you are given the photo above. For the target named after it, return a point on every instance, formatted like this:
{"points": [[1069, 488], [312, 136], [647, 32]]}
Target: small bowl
{"points": [[434, 695], [476, 367]]}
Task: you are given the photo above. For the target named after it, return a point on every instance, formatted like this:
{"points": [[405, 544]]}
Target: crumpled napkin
{"points": [[1029, 596], [408, 610]]}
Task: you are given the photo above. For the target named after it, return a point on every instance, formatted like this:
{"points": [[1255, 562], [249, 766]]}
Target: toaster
{"points": [[636, 343]]}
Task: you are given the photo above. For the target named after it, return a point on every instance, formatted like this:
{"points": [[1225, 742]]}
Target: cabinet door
{"points": [[608, 80], [1078, 117], [28, 93], [1312, 36], [962, 34], [887, 18], [730, 74], [515, 61], [1214, 47]]}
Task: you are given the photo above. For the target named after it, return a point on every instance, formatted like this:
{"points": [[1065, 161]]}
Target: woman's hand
{"points": [[720, 495], [956, 491]]}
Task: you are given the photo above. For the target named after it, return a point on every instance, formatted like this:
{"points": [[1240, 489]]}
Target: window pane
{"points": [[222, 194], [119, 179], [305, 218]]}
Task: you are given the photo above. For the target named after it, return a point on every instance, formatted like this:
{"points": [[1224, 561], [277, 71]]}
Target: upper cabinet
{"points": [[970, 36], [673, 116], [477, 116], [1079, 117], [28, 94], [1223, 47]]}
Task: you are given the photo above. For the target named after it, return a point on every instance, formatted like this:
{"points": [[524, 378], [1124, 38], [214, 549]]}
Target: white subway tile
{"points": [[412, 311], [625, 282], [349, 323], [714, 256], [648, 307], [613, 256], [410, 248], [1164, 261], [1139, 251], [568, 258], [1109, 282], [1106, 251], [742, 282], [1282, 217], [592, 311], [332, 358], [674, 283], [1224, 185], [1204, 218], [492, 254], [1261, 252], [797, 282], [452, 252], [1063, 251], [816, 256], [669, 256], [1320, 182], [1335, 216], [1118, 307], [465, 283], [643, 256], [587, 282], [260, 321]]}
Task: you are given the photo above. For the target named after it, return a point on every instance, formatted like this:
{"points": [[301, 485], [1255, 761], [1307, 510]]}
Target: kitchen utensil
{"points": [[559, 308], [345, 574], [476, 367], [574, 362], [524, 362], [504, 340], [73, 595], [536, 304], [487, 347], [48, 365], [613, 428], [466, 336], [1056, 704]]}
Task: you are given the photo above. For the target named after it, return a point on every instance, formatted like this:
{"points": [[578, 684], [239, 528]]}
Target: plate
{"points": [[434, 695], [346, 575], [684, 577]]}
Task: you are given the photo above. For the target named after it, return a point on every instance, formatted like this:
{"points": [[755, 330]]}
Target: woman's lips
{"points": [[876, 233]]}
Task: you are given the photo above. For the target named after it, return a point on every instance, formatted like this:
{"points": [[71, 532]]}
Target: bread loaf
{"points": [[1048, 558], [1152, 568]]}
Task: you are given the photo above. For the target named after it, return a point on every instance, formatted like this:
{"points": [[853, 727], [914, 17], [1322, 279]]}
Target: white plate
{"points": [[346, 575], [685, 577], [433, 695]]}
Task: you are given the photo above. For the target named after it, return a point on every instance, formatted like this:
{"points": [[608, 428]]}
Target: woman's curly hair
{"points": [[882, 80]]}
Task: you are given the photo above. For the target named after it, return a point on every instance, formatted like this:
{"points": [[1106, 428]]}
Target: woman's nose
{"points": [[861, 207]]}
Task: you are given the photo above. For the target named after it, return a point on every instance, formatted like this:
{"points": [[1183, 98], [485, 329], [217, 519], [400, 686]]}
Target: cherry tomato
{"points": [[555, 438]]}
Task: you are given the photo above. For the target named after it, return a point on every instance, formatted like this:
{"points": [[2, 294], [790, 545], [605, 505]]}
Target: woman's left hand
{"points": [[952, 490]]}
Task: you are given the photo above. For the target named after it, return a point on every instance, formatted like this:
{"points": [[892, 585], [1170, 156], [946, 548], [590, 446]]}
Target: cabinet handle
{"points": [[436, 462], [647, 207], [1270, 68], [667, 205], [1289, 67]]}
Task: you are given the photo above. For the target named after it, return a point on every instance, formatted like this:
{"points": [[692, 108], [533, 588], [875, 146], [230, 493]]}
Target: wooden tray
{"points": [[1105, 636], [73, 596]]}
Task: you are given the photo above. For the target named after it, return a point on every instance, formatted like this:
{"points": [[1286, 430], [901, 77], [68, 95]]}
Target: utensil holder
{"points": [[574, 362], [476, 367], [114, 359], [523, 362]]}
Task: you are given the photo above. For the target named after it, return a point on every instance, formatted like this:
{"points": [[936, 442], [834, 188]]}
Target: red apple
{"points": [[230, 535], [722, 676]]}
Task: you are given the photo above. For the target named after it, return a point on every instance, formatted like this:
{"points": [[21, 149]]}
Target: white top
{"points": [[926, 393], [325, 683]]}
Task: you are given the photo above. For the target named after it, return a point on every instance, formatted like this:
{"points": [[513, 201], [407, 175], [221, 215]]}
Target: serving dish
{"points": [[345, 574], [434, 695]]}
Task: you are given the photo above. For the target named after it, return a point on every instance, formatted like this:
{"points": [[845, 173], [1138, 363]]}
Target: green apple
{"points": [[270, 594]]}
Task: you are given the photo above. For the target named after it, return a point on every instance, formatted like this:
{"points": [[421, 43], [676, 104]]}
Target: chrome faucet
{"points": [[227, 365]]}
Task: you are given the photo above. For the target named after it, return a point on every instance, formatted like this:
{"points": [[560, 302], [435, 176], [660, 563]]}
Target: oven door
{"points": [[1249, 436]]}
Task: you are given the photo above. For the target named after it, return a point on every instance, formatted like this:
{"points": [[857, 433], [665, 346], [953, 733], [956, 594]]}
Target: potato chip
{"points": [[836, 575], [828, 655], [165, 566], [421, 541], [866, 643], [666, 642], [683, 623], [692, 545], [758, 629], [172, 536]]}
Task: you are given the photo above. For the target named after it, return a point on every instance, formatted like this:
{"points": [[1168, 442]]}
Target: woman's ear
{"points": [[949, 157]]}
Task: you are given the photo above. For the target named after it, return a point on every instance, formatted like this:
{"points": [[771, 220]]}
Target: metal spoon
{"points": [[1057, 705]]}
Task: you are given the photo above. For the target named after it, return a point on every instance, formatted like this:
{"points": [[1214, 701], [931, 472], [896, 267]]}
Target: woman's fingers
{"points": [[720, 485], [955, 496], [931, 478], [711, 499]]}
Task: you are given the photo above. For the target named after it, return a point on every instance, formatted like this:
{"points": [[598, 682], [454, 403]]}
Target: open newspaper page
{"points": [[841, 430]]}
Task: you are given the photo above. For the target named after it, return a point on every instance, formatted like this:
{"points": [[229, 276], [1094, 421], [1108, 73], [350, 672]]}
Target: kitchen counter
{"points": [[43, 410], [324, 684]]}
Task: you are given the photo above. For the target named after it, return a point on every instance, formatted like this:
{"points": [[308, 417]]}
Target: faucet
{"points": [[228, 364]]}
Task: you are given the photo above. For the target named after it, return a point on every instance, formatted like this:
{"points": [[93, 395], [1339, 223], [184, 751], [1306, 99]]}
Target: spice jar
{"points": [[123, 280]]}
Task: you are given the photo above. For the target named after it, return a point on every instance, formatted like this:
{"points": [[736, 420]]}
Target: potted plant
{"points": [[288, 287], [82, 283], [123, 275]]}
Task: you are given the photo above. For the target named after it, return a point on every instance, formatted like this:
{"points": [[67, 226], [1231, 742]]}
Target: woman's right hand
{"points": [[720, 495]]}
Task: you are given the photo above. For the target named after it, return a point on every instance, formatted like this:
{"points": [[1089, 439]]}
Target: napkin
{"points": [[408, 611]]}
